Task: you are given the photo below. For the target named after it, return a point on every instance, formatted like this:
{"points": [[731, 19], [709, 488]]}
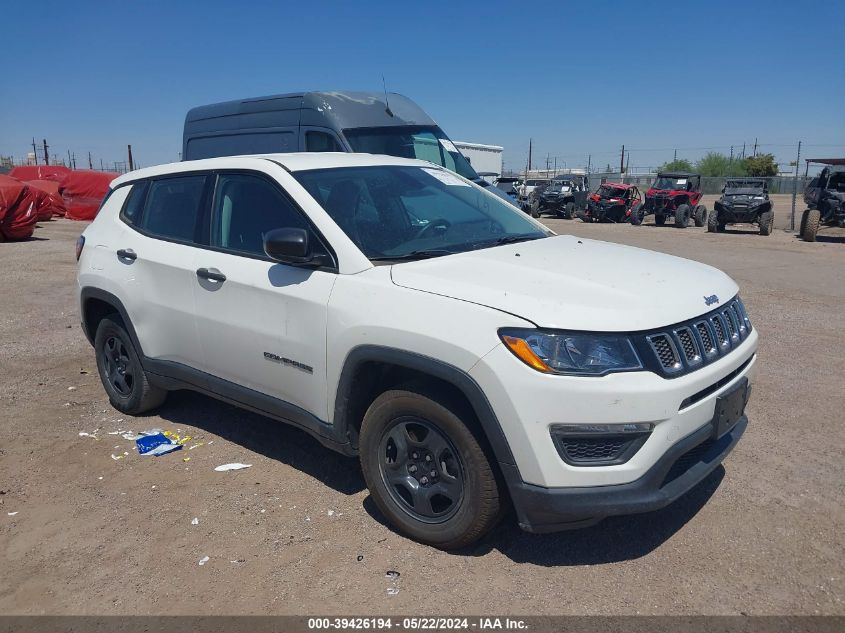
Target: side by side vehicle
{"points": [[401, 314], [673, 195], [825, 198], [744, 200], [612, 202]]}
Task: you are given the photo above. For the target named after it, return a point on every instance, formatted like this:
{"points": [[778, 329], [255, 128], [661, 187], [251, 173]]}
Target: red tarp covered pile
{"points": [[17, 210], [83, 191], [40, 172], [48, 200]]}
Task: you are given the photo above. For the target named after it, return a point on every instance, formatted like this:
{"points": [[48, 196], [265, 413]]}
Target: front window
{"points": [[397, 212], [424, 142], [673, 184]]}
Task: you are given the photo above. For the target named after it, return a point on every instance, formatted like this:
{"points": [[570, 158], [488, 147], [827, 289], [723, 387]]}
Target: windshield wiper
{"points": [[424, 254], [513, 239]]}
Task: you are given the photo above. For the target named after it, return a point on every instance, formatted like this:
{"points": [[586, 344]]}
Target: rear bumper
{"points": [[680, 469]]}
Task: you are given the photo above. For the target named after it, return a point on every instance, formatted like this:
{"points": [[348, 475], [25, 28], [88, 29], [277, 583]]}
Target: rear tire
{"points": [[700, 215], [406, 434], [767, 221], [120, 369], [811, 226], [659, 219], [569, 210], [803, 222], [535, 209], [682, 214], [713, 222]]}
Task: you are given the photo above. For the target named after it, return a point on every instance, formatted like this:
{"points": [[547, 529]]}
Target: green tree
{"points": [[717, 164], [761, 165], [679, 164]]}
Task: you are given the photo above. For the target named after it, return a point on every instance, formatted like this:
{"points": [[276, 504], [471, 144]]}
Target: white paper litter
{"points": [[235, 466], [11, 514], [195, 521], [203, 560], [445, 177]]}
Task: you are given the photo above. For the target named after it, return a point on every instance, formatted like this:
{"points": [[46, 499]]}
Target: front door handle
{"points": [[127, 254], [211, 274]]}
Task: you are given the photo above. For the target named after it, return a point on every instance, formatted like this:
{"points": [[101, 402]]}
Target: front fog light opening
{"points": [[599, 444]]}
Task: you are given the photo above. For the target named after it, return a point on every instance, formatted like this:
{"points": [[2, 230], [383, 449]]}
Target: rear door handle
{"points": [[127, 254], [211, 274]]}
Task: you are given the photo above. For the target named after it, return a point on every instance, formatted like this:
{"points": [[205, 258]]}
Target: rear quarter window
{"points": [[172, 207]]}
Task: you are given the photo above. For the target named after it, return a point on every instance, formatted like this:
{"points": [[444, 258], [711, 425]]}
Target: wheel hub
{"points": [[422, 466]]}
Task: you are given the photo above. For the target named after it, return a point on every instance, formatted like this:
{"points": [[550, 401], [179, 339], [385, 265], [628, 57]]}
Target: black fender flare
{"points": [[433, 367], [88, 293]]}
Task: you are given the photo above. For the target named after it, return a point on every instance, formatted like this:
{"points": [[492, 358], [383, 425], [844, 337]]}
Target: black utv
{"points": [[744, 200], [825, 197], [562, 197]]}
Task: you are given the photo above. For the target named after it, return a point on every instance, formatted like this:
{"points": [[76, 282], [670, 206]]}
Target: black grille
{"points": [[729, 319], [720, 331], [706, 339], [665, 351], [593, 449], [690, 345]]}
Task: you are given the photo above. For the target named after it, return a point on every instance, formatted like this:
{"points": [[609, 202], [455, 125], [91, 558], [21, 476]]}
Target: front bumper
{"points": [[680, 469]]}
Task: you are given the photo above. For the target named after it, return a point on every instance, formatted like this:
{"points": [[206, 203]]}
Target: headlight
{"points": [[570, 353]]}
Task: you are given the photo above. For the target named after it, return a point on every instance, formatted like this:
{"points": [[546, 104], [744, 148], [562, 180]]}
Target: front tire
{"points": [[659, 219], [713, 222], [767, 221], [535, 209], [811, 226], [700, 215], [426, 470], [636, 217], [569, 210], [120, 370], [682, 214]]}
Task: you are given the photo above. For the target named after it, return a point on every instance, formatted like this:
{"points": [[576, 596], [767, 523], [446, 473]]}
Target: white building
{"points": [[485, 159]]}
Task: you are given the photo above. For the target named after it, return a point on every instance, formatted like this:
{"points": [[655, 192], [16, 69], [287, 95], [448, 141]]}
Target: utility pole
{"points": [[131, 163], [34, 151], [46, 155], [68, 159], [627, 164], [755, 147], [622, 162], [795, 187], [675, 158], [589, 162], [548, 162], [530, 144], [74, 160], [555, 165], [101, 165], [90, 164], [743, 151]]}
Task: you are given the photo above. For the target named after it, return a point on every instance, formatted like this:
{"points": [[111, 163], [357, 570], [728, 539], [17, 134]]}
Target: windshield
{"points": [[743, 187], [411, 141], [675, 184], [610, 192], [533, 183], [396, 212], [560, 185]]}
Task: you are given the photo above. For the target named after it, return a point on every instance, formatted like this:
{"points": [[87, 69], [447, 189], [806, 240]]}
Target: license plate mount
{"points": [[729, 408]]}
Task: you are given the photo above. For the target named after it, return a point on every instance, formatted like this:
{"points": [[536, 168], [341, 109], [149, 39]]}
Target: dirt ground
{"points": [[83, 533]]}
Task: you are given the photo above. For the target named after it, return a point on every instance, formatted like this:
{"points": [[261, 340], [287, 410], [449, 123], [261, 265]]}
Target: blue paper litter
{"points": [[158, 444]]}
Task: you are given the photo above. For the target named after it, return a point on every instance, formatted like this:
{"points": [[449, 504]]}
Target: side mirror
{"points": [[288, 246]]}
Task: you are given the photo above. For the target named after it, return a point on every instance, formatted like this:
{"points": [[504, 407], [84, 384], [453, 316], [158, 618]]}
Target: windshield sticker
{"points": [[448, 145], [445, 177], [682, 181]]}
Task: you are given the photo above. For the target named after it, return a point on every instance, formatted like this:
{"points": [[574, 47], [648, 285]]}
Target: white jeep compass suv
{"points": [[472, 359]]}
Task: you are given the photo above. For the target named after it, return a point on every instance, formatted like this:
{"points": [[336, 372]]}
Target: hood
{"points": [[573, 283]]}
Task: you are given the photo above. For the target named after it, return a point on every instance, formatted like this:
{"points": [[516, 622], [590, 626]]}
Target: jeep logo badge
{"points": [[711, 300]]}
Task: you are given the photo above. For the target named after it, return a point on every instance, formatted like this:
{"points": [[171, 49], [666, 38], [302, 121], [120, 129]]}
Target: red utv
{"points": [[676, 195], [613, 202]]}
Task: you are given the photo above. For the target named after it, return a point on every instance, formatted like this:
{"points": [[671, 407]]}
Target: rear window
{"points": [[134, 204], [173, 206]]}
